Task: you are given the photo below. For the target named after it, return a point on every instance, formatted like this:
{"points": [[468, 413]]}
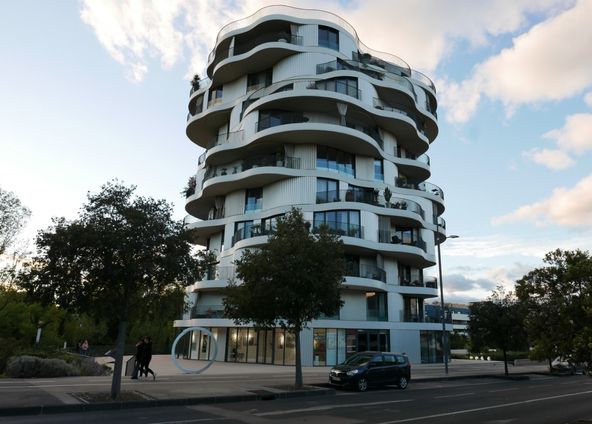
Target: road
{"points": [[538, 400]]}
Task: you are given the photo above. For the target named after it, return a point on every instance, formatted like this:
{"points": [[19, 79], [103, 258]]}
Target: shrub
{"points": [[90, 367], [31, 366]]}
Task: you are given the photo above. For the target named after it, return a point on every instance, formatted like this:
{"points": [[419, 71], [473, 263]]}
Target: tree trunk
{"points": [[120, 346], [550, 364], [505, 363], [298, 375]]}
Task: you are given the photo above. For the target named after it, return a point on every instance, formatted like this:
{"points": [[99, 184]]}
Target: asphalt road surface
{"points": [[538, 400]]}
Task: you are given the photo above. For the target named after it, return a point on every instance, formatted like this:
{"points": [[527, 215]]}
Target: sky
{"points": [[93, 90]]}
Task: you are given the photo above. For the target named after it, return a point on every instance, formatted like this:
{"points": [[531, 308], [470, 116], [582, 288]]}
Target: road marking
{"points": [[503, 390], [450, 396], [485, 408], [197, 420], [328, 407]]}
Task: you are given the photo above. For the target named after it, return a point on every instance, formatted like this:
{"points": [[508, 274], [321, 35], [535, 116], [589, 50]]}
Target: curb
{"points": [[110, 406]]}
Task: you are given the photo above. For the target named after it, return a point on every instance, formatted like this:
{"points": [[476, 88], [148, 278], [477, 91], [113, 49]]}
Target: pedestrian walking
{"points": [[147, 357], [139, 358]]}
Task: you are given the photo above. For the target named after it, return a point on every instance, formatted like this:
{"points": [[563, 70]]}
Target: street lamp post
{"points": [[442, 311]]}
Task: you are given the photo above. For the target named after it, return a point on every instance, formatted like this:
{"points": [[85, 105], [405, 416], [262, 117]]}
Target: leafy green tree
{"points": [[157, 321], [13, 216], [558, 298], [120, 254], [498, 323], [289, 281]]}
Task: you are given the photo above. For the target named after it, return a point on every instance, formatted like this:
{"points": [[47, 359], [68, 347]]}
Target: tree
{"points": [[13, 216], [121, 254], [289, 281], [558, 300], [497, 322]]}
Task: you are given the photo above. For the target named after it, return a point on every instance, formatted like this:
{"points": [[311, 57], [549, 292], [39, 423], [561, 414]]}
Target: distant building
{"points": [[457, 313], [296, 110]]}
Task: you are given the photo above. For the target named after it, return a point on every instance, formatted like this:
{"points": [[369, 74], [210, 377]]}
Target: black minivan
{"points": [[366, 369]]}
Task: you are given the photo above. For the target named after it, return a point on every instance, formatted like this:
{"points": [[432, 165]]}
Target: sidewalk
{"points": [[222, 382]]}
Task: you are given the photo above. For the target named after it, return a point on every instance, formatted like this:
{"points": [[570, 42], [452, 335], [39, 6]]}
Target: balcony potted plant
{"points": [[195, 83], [387, 196], [190, 187]]}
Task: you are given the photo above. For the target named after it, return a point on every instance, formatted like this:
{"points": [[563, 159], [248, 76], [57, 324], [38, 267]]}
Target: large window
{"points": [[336, 160], [273, 118], [342, 85], [327, 190], [263, 347], [376, 306], [269, 225], [431, 346], [259, 80], [254, 199], [342, 222], [378, 170], [215, 96], [328, 37], [242, 230]]}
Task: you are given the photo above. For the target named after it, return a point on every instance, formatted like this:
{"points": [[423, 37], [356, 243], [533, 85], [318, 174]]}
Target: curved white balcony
{"points": [[259, 57], [315, 95], [303, 16]]}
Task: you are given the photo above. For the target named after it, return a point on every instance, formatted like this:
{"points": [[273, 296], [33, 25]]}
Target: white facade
{"points": [[296, 111]]}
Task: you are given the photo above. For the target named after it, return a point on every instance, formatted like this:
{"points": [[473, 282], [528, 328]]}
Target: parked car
{"points": [[566, 365], [366, 369]]}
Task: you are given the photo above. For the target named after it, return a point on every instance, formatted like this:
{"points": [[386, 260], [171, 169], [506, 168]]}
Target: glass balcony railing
{"points": [[407, 316], [419, 185], [219, 273], [248, 45], [429, 282], [397, 237], [340, 228], [402, 109], [439, 221], [376, 315], [366, 271], [227, 137], [245, 165], [369, 197], [207, 311], [309, 14], [405, 155], [337, 86], [374, 71], [418, 76], [204, 82]]}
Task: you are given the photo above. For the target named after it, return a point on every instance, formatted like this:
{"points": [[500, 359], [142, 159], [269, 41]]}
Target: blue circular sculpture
{"points": [[174, 349]]}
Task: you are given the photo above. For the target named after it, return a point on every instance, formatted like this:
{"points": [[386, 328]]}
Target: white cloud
{"points": [[566, 207], [588, 99], [576, 134], [551, 61], [133, 32], [551, 158], [574, 137]]}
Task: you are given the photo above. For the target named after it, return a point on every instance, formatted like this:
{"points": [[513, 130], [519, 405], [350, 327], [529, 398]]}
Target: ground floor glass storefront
{"points": [[431, 347], [332, 346], [277, 346]]}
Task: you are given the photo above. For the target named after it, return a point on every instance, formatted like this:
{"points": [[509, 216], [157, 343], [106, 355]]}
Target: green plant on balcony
{"points": [[195, 82], [190, 187], [387, 196]]}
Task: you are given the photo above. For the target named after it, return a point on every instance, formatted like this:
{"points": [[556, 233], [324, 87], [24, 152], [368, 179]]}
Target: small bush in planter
{"points": [[31, 366]]}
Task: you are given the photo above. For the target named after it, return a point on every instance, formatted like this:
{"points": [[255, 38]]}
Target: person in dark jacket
{"points": [[140, 353], [146, 358]]}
